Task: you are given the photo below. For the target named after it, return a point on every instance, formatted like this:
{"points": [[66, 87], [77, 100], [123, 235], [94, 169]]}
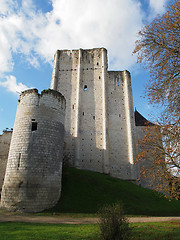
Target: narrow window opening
{"points": [[85, 87], [97, 63], [20, 184], [94, 117], [19, 160], [34, 126], [99, 77], [73, 106], [83, 113], [117, 83]]}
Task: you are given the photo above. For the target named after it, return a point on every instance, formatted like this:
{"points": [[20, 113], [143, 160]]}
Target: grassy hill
{"points": [[85, 192]]}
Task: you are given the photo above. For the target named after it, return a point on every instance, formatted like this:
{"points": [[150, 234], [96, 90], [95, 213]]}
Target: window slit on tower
{"points": [[85, 87], [19, 160], [34, 125]]}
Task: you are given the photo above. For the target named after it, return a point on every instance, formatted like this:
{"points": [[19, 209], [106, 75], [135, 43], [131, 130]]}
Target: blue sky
{"points": [[32, 30]]}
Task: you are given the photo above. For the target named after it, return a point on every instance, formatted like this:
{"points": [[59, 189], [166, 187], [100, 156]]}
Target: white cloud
{"points": [[11, 85], [7, 6], [157, 6], [71, 24], [87, 24]]}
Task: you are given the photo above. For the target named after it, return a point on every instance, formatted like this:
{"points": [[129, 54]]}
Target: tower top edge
{"points": [[29, 91], [44, 92], [119, 71], [127, 73], [75, 50], [54, 93]]}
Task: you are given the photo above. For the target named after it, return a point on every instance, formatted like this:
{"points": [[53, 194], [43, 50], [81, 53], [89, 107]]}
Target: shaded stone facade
{"points": [[5, 140], [33, 175]]}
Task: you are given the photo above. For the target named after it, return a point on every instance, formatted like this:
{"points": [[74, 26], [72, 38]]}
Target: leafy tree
{"points": [[159, 158], [158, 48]]}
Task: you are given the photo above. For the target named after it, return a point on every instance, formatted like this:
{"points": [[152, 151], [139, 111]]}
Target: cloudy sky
{"points": [[32, 30]]}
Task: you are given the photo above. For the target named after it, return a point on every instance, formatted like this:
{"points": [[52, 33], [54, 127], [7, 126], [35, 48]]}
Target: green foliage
{"points": [[86, 192], [113, 224], [37, 231], [157, 230], [158, 48]]}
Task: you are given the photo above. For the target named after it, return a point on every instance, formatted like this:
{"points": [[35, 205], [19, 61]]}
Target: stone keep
{"points": [[99, 121], [33, 174]]}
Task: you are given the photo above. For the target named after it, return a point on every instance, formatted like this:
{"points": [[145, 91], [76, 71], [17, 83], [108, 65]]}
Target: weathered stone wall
{"points": [[147, 162], [33, 175], [99, 120], [5, 140], [121, 125]]}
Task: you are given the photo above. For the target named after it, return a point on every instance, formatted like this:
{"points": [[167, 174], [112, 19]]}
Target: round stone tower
{"points": [[33, 175]]}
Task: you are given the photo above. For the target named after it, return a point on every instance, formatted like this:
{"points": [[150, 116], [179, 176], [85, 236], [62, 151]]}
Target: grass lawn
{"points": [[34, 231], [86, 191]]}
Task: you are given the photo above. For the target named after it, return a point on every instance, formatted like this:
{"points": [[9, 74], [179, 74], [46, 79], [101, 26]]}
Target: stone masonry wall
{"points": [[33, 175], [121, 125], [99, 121], [5, 140]]}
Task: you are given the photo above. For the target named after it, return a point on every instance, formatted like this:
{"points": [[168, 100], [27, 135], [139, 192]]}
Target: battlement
{"points": [[86, 54], [49, 97]]}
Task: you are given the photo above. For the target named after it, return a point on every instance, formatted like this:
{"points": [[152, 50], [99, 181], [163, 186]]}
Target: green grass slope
{"points": [[86, 191]]}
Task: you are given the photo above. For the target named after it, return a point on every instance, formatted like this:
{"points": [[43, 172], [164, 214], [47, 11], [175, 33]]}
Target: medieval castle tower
{"points": [[99, 121], [33, 174], [95, 108]]}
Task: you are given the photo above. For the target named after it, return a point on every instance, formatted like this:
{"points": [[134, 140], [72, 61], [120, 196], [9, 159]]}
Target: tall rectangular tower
{"points": [[99, 121]]}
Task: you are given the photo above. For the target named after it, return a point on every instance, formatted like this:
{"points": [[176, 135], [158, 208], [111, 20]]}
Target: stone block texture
{"points": [[33, 175], [5, 140], [99, 120]]}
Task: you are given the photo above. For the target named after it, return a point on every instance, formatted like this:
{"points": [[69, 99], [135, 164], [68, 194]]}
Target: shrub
{"points": [[113, 224]]}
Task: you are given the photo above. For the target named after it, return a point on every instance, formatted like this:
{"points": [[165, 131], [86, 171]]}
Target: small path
{"points": [[69, 220]]}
